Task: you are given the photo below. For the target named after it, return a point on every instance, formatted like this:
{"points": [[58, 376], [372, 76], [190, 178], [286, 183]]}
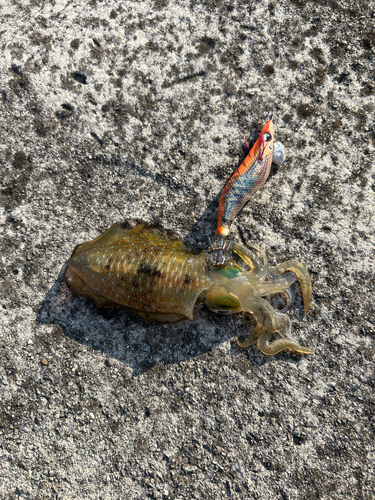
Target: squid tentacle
{"points": [[259, 270], [303, 278], [269, 322]]}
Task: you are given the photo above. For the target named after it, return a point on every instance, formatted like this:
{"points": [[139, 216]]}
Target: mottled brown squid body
{"points": [[141, 269]]}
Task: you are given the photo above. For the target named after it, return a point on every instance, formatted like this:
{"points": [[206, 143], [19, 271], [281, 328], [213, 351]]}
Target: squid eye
{"points": [[267, 137]]}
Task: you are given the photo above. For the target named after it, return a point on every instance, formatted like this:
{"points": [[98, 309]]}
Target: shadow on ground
{"points": [[140, 344], [124, 336]]}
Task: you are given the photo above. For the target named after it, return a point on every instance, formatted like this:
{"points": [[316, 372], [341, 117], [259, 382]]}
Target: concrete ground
{"points": [[112, 110]]}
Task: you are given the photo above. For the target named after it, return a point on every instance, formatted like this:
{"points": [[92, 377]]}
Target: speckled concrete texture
{"points": [[116, 110]]}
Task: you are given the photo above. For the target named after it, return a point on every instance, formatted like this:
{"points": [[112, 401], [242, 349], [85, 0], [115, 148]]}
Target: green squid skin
{"points": [[143, 268]]}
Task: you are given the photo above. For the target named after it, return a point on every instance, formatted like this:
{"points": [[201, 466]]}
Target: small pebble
{"points": [[188, 469], [44, 362]]}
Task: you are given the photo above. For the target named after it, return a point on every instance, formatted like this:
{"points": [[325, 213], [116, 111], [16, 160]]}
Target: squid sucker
{"points": [[148, 270]]}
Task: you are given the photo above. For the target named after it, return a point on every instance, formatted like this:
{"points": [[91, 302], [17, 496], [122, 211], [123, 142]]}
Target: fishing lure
{"points": [[245, 182], [143, 268]]}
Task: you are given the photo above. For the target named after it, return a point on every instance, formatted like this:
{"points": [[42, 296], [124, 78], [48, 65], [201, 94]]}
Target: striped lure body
{"points": [[249, 177]]}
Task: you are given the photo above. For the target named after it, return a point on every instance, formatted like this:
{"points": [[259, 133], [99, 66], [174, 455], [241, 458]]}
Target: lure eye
{"points": [[267, 137]]}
